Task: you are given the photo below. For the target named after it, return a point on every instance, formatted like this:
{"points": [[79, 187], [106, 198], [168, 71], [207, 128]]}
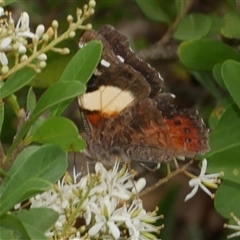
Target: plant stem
{"points": [[164, 180]]}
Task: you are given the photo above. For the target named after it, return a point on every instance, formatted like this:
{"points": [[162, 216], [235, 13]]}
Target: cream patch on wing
{"points": [[107, 99]]}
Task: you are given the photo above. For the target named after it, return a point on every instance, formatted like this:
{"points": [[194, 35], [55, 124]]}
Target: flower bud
{"points": [[79, 12], [11, 22], [92, 11], [40, 30], [15, 47], [5, 69], [65, 51], [24, 58], [69, 18], [45, 37], [88, 26], [72, 34], [42, 57], [92, 4], [35, 39], [42, 64], [55, 24], [25, 20], [22, 49]]}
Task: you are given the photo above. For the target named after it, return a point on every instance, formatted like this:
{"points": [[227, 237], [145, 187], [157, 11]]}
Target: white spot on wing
{"points": [[120, 58], [108, 99], [105, 63], [90, 101]]}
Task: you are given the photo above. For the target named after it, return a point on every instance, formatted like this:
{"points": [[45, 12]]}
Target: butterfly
{"points": [[124, 113]]}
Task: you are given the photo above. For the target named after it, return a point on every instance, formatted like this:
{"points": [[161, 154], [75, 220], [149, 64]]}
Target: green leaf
{"points": [[193, 26], [18, 163], [231, 77], [220, 140], [31, 224], [229, 116], [231, 25], [217, 73], [33, 129], [216, 26], [206, 80], [6, 234], [34, 232], [39, 218], [14, 193], [31, 100], [80, 68], [40, 167], [226, 161], [83, 64], [205, 53], [57, 93], [1, 116], [55, 65], [59, 131], [153, 11], [9, 222], [16, 81], [13, 103], [179, 6], [227, 199], [225, 114]]}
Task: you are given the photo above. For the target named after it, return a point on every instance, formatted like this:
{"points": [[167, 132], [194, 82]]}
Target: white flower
{"points": [[1, 11], [106, 216], [202, 181], [17, 39], [22, 31], [112, 217], [105, 202], [4, 45], [116, 183], [139, 222], [234, 227]]}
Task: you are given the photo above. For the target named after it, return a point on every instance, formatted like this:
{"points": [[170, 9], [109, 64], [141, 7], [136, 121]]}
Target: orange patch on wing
{"points": [[184, 135], [95, 117]]}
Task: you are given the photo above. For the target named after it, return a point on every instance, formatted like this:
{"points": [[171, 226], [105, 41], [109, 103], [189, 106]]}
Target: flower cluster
{"points": [[29, 48], [14, 38], [105, 203]]}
